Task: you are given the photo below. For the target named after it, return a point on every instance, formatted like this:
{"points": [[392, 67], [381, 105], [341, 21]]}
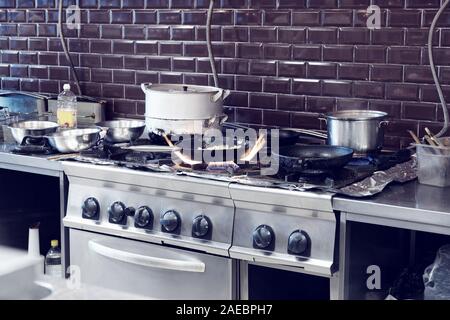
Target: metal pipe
{"points": [[433, 69], [64, 46], [209, 45]]}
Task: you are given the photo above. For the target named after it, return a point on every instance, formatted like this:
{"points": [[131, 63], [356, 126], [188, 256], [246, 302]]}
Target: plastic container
{"points": [[436, 277], [67, 108], [434, 164], [53, 261]]}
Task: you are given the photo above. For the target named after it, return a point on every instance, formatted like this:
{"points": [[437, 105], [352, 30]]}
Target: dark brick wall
{"points": [[285, 60]]}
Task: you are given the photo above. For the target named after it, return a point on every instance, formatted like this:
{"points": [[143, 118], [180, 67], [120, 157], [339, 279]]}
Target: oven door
{"points": [[150, 270]]}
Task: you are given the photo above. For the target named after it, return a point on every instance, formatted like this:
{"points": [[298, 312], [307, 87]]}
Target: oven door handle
{"points": [[146, 261]]}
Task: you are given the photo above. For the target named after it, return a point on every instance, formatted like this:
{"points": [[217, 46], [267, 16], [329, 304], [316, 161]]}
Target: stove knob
{"points": [[91, 208], [117, 212], [298, 242], [143, 217], [263, 237], [200, 226], [170, 221]]}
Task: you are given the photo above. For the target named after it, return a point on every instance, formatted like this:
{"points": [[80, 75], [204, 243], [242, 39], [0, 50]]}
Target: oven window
{"points": [[274, 284]]}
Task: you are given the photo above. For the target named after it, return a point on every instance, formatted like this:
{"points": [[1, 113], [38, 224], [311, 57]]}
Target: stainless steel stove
{"points": [[152, 234], [124, 221]]}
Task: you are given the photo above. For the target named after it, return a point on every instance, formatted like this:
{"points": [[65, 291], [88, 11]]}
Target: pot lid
{"points": [[183, 88], [357, 115]]}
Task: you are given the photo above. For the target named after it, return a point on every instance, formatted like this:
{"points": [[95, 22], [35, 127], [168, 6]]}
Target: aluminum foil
{"points": [[376, 183]]}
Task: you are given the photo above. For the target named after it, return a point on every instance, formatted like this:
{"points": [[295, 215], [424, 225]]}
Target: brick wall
{"points": [[285, 60]]}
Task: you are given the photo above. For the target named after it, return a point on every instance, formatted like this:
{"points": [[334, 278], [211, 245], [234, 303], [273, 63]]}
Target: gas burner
{"points": [[34, 146], [96, 152], [144, 157]]}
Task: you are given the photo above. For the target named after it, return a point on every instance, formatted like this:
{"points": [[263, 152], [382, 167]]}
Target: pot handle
{"points": [[323, 118], [222, 94], [146, 86], [383, 123], [220, 119]]}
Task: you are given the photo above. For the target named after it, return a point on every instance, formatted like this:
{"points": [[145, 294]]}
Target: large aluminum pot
{"points": [[361, 130], [183, 109]]}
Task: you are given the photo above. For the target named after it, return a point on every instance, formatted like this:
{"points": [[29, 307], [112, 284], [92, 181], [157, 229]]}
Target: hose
{"points": [[433, 69], [64, 46], [209, 45]]}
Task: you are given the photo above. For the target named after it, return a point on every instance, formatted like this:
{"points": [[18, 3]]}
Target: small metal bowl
{"points": [[20, 130], [74, 140], [119, 131]]}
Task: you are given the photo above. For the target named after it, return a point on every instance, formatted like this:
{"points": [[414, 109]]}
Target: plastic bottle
{"points": [[67, 108], [53, 260]]}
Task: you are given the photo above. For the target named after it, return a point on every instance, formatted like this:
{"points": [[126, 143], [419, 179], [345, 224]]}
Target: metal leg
{"points": [[412, 248], [243, 280], [339, 287], [63, 190], [334, 286]]}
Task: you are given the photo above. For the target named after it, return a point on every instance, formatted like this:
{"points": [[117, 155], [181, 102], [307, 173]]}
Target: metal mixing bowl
{"points": [[74, 140], [118, 131], [20, 130]]}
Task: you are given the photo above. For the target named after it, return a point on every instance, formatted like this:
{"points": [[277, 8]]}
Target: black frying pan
{"points": [[295, 159]]}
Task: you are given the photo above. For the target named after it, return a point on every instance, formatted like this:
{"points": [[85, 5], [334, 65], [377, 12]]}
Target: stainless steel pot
{"points": [[118, 131], [183, 109], [361, 130], [20, 130], [74, 140]]}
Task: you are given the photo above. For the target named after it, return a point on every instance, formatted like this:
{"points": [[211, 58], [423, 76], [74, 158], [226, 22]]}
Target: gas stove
{"points": [[217, 217]]}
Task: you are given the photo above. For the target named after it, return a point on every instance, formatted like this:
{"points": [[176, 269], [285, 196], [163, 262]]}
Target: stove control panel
{"points": [[291, 236], [149, 214]]}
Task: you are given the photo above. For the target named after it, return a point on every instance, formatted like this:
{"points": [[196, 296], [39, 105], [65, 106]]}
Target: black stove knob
{"points": [[91, 208], [170, 221], [263, 237], [117, 212], [298, 242], [201, 226], [143, 217]]}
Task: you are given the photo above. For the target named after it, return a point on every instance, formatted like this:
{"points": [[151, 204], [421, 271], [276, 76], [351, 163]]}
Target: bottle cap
{"points": [[66, 86], [54, 243]]}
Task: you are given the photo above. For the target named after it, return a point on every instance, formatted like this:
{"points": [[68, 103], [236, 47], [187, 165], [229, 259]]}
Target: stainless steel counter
{"points": [[410, 206], [31, 164]]}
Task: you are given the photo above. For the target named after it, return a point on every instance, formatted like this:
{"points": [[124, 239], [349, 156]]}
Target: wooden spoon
{"points": [[433, 138], [415, 138], [430, 142]]}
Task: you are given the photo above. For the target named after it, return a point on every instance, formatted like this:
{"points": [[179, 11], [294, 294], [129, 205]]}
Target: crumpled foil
{"points": [[376, 183]]}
